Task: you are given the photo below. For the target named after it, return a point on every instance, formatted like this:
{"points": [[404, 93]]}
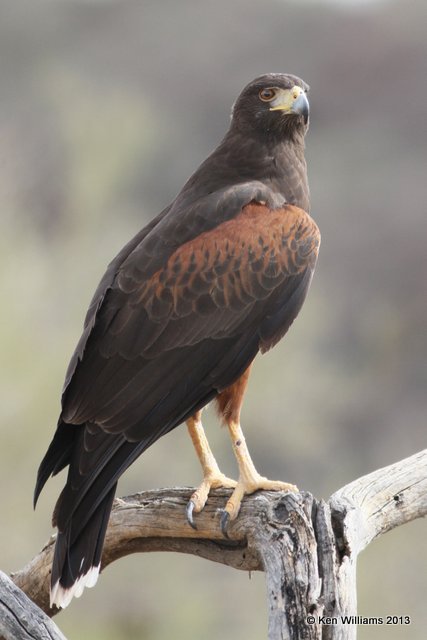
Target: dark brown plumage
{"points": [[180, 315]]}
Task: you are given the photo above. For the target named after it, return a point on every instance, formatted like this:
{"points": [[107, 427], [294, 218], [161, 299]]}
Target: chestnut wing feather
{"points": [[211, 284]]}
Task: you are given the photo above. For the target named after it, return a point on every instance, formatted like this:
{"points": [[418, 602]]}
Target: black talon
{"points": [[189, 513], [225, 519]]}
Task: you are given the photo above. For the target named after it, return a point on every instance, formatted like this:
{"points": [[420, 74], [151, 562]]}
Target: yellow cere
{"points": [[286, 98]]}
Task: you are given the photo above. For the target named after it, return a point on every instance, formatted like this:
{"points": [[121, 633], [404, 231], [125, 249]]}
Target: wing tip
{"points": [[61, 596]]}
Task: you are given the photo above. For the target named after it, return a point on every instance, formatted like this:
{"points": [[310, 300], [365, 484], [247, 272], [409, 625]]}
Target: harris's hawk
{"points": [[178, 318]]}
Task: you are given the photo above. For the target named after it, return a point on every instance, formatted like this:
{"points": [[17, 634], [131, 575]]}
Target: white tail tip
{"points": [[61, 597]]}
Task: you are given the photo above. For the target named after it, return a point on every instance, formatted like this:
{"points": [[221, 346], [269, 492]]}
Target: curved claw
{"points": [[224, 522], [189, 513]]}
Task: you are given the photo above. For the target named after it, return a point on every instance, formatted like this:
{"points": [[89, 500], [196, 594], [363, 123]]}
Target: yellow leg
{"points": [[212, 476], [249, 478]]}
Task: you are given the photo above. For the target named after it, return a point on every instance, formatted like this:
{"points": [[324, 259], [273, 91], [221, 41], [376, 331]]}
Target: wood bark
{"points": [[308, 548], [20, 618]]}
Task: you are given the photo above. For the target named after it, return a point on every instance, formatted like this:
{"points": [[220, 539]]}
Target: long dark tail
{"points": [[79, 544], [76, 561], [96, 460]]}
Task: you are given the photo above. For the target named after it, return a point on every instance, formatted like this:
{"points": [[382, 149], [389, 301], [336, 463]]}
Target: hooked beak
{"points": [[292, 101]]}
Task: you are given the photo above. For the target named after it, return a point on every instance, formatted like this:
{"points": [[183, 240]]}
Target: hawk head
{"points": [[274, 104]]}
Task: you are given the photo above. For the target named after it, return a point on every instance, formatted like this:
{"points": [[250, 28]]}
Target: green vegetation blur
{"points": [[105, 110]]}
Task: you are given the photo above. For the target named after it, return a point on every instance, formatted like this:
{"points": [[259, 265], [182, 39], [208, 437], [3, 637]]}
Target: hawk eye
{"points": [[267, 94]]}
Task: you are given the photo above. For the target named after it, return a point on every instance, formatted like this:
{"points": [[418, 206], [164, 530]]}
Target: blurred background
{"points": [[106, 107]]}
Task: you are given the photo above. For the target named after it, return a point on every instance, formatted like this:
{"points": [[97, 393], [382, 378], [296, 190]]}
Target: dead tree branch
{"points": [[308, 548], [20, 618]]}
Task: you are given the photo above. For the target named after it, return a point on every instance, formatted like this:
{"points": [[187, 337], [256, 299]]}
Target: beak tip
{"points": [[301, 107]]}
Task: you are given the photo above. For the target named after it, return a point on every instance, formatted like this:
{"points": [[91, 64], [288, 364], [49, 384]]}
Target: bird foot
{"points": [[246, 486], [200, 496]]}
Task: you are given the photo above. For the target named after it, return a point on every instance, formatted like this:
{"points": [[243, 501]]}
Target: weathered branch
{"points": [[382, 500], [352, 518], [20, 618], [155, 521], [308, 548]]}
